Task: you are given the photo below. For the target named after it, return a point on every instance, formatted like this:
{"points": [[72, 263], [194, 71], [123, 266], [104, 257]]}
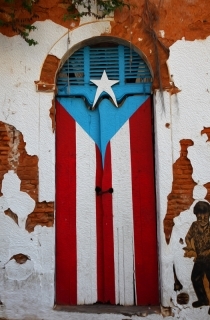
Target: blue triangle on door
{"points": [[105, 121]]}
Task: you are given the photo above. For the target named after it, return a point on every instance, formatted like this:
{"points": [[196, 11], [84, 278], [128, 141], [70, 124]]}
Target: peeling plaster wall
{"points": [[186, 114], [27, 289]]}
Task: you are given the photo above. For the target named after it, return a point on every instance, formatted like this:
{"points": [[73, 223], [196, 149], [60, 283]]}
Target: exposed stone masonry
{"points": [[181, 196], [13, 156]]}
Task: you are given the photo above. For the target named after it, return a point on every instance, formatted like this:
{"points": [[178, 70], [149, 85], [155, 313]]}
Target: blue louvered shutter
{"points": [[120, 62]]}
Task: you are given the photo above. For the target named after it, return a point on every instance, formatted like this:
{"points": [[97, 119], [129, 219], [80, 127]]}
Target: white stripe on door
{"points": [[123, 216], [86, 218]]}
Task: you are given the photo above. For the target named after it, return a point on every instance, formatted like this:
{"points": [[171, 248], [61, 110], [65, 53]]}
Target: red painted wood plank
{"points": [[144, 206], [66, 252], [99, 229], [109, 276]]}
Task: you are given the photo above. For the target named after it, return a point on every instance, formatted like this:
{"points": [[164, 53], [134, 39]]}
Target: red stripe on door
{"points": [[99, 229], [109, 275], [66, 251], [144, 216]]}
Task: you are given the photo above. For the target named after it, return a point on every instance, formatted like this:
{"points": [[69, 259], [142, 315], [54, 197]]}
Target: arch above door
{"points": [[72, 41]]}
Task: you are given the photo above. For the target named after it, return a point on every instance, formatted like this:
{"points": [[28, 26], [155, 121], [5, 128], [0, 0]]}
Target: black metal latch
{"points": [[99, 191]]}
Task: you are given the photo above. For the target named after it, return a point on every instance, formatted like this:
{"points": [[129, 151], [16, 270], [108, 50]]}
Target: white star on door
{"points": [[104, 85]]}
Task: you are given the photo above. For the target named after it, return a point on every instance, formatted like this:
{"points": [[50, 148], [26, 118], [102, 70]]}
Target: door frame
{"points": [[89, 42]]}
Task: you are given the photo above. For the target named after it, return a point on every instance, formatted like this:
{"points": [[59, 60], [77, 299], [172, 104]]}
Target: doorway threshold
{"points": [[141, 311]]}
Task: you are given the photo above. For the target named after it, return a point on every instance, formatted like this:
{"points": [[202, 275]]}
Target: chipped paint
{"points": [[180, 197], [18, 271], [162, 33], [13, 156], [184, 118], [27, 115], [19, 202]]}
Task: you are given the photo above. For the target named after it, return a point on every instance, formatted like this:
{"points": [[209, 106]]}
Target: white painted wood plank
{"points": [[123, 216], [86, 218]]}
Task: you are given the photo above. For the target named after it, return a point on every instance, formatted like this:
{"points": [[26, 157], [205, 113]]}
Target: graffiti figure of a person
{"points": [[198, 246]]}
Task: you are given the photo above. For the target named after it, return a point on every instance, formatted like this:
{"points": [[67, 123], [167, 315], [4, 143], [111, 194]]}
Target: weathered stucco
{"points": [[187, 114], [14, 157], [182, 149]]}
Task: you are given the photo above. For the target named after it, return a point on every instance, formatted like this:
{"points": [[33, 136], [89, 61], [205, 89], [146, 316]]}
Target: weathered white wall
{"points": [[187, 112], [27, 290]]}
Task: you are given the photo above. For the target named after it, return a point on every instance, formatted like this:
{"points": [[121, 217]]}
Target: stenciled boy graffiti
{"points": [[198, 246]]}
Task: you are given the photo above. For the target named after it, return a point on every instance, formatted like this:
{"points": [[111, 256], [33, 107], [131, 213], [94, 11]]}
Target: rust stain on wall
{"points": [[26, 167], [181, 196]]}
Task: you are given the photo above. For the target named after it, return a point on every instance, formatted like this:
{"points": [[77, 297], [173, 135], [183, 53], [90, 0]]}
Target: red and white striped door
{"points": [[105, 241]]}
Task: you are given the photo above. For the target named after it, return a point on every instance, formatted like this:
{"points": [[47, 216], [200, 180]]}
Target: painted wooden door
{"points": [[105, 203]]}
